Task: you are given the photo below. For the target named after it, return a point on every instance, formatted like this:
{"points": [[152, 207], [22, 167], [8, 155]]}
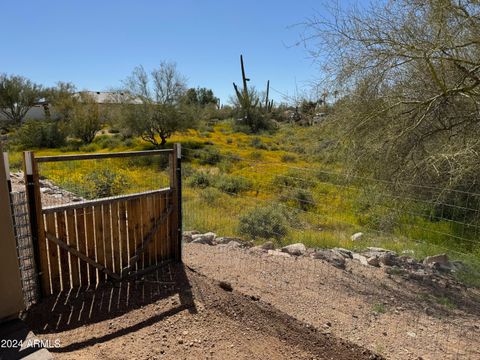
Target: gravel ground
{"points": [[196, 318], [398, 318]]}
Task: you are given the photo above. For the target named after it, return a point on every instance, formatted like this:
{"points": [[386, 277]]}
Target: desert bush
{"points": [[232, 184], [108, 142], [299, 198], [288, 158], [105, 183], [157, 162], [294, 178], [39, 134], [257, 143], [263, 222], [256, 155], [209, 156], [210, 195], [200, 179]]}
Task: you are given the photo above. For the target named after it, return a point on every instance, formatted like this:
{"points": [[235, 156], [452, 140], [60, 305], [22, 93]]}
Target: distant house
{"points": [[43, 109]]}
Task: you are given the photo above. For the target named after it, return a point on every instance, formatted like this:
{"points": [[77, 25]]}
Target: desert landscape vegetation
{"points": [[347, 218]]}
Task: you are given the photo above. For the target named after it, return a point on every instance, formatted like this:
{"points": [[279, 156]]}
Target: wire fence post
{"points": [[32, 185], [177, 183]]}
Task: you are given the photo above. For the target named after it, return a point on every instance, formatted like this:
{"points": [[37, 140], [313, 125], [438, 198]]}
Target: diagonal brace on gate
{"points": [[133, 260], [81, 256], [146, 241]]}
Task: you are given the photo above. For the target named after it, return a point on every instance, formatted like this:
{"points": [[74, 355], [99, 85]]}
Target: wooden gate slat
{"points": [[122, 216], [160, 207], [100, 258], [131, 228], [89, 225], [107, 236], [53, 255], [72, 241], [62, 235], [150, 223], [115, 238], [82, 245], [144, 230]]}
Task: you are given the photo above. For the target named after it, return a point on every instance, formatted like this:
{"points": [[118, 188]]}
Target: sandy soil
{"points": [[196, 318], [390, 315]]}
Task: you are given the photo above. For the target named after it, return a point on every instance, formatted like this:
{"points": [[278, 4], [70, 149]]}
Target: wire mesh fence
{"points": [[25, 252], [404, 310]]}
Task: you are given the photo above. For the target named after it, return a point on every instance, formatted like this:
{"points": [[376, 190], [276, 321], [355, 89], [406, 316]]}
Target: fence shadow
{"points": [[78, 307]]}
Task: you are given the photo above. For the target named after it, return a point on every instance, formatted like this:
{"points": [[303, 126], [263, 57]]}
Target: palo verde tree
{"points": [[78, 113], [17, 95], [153, 109], [410, 75]]}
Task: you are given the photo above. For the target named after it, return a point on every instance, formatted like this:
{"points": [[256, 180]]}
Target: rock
{"points": [[233, 245], [362, 259], [267, 245], [206, 238], [379, 250], [441, 259], [357, 236], [225, 240], [343, 252], [388, 259], [330, 256], [200, 239], [225, 285], [373, 261], [295, 249], [277, 253]]}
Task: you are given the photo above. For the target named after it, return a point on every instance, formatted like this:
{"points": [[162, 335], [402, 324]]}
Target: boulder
{"points": [[277, 253], [188, 235], [441, 259], [330, 256], [225, 240], [206, 238], [362, 259], [357, 236], [388, 259], [267, 245], [343, 252], [295, 249], [373, 261], [232, 245], [379, 250]]}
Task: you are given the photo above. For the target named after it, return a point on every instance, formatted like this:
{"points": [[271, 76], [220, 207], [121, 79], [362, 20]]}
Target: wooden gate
{"points": [[82, 244]]}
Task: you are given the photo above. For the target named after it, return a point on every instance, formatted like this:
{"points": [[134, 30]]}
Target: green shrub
{"points": [[257, 143], [200, 180], [209, 156], [263, 222], [294, 178], [210, 195], [108, 142], [229, 140], [39, 134], [105, 183], [288, 158], [232, 184], [256, 155], [299, 198]]}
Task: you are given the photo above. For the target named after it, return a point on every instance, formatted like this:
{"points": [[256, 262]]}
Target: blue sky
{"points": [[96, 44]]}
